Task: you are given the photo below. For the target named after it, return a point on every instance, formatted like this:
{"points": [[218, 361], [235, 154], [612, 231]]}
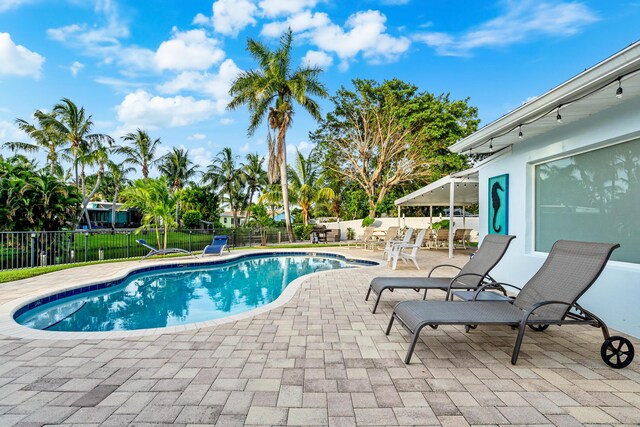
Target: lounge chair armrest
{"points": [[442, 265], [536, 306], [455, 279], [492, 284]]}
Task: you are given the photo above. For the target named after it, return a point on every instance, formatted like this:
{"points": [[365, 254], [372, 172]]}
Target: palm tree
{"points": [[75, 125], [308, 185], [143, 151], [45, 137], [91, 153], [255, 176], [270, 91], [223, 174], [272, 196], [118, 176], [178, 169]]}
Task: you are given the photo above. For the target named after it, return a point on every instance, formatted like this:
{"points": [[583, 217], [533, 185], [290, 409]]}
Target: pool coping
{"points": [[9, 327]]}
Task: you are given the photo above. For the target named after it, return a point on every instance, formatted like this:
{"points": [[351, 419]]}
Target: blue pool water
{"points": [[175, 296]]}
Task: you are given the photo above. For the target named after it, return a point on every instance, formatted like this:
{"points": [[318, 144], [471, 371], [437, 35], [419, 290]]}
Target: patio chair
{"points": [[442, 238], [154, 251], [367, 236], [471, 276], [389, 245], [389, 235], [458, 237], [399, 251], [548, 298], [217, 246]]}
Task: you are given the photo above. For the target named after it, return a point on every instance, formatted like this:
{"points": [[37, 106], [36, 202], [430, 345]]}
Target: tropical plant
{"points": [[117, 175], [255, 177], [261, 218], [270, 91], [203, 200], [156, 203], [307, 185], [74, 124], [179, 171], [272, 196], [91, 153], [45, 137], [223, 174], [34, 200], [141, 152], [303, 232]]}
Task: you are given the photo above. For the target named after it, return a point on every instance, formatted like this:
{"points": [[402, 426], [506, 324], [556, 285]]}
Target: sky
{"points": [[166, 65]]}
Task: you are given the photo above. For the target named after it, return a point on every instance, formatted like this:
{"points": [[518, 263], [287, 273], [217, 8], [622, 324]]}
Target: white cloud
{"points": [[10, 132], [197, 137], [141, 109], [188, 50], [200, 156], [6, 5], [521, 21], [226, 121], [214, 85], [286, 7], [17, 60], [317, 58], [303, 146], [245, 148], [364, 34], [231, 16], [75, 68], [120, 86]]}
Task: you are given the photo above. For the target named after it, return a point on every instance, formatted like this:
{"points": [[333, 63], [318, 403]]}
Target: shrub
{"points": [[367, 221], [302, 232], [351, 233], [440, 224], [192, 219]]}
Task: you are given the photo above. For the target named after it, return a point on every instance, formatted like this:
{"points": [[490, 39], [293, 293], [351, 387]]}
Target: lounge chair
{"points": [[154, 251], [549, 298], [472, 275], [366, 238], [399, 251], [389, 235], [388, 248], [216, 247]]}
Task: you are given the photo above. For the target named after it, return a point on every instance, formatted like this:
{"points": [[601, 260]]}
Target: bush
{"points": [[367, 221], [192, 219], [351, 233], [440, 224], [302, 232]]}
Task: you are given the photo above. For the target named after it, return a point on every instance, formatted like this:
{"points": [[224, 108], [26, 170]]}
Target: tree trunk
{"points": [[246, 216], [285, 196], [113, 208]]}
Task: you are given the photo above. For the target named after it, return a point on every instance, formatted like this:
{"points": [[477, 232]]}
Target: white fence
{"points": [[415, 222]]}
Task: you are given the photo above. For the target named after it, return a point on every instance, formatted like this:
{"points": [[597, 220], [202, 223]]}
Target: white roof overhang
{"points": [[590, 92], [438, 193]]}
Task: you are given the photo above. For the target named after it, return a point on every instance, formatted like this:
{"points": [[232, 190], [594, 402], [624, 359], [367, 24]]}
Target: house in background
{"points": [[226, 219], [567, 166]]}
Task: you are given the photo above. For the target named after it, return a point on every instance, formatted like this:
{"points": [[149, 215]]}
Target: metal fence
{"points": [[27, 249]]}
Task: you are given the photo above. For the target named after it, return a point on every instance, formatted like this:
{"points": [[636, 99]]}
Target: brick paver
{"points": [[320, 359]]}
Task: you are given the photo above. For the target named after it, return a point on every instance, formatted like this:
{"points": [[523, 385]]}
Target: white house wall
{"points": [[615, 296]]}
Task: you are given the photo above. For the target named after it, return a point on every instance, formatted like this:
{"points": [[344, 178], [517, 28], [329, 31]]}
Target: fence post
{"points": [[190, 231], [86, 247], [250, 235], [128, 243], [33, 250]]}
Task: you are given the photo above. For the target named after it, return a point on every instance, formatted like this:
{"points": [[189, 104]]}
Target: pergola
{"points": [[455, 190]]}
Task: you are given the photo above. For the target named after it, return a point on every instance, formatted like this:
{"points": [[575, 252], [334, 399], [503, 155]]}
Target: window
{"points": [[594, 196]]}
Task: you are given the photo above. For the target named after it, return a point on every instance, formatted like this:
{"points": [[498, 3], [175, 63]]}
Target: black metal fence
{"points": [[27, 249]]}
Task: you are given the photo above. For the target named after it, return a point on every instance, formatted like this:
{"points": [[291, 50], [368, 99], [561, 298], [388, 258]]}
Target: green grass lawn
{"points": [[25, 273]]}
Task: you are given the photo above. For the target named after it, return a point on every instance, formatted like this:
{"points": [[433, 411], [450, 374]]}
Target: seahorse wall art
{"points": [[496, 204]]}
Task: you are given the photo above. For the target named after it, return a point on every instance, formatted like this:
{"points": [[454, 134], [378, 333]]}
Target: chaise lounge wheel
{"points": [[539, 328], [433, 326], [617, 352], [467, 328]]}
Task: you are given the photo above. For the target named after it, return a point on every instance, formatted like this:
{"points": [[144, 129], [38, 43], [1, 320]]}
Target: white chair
{"points": [[388, 248], [398, 251]]}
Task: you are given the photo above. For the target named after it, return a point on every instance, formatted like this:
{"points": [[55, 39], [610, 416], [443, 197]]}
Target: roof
{"points": [[438, 193], [591, 91]]}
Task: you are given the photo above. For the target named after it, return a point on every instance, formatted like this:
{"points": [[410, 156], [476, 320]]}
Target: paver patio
{"points": [[322, 358]]}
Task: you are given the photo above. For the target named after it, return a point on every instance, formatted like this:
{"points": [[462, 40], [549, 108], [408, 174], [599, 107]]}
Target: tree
{"points": [[308, 185], [255, 176], [91, 152], [73, 122], [261, 218], [118, 176], [34, 200], [179, 171], [142, 152], [383, 135], [157, 204], [45, 137], [270, 91], [203, 200], [223, 174]]}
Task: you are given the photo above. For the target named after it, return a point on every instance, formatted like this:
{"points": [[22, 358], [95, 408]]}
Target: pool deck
{"points": [[318, 358]]}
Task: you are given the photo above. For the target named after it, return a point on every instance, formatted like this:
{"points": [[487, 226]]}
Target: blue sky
{"points": [[166, 65]]}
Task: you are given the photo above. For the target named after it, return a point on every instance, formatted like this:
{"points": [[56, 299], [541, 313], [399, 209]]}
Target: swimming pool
{"points": [[171, 295]]}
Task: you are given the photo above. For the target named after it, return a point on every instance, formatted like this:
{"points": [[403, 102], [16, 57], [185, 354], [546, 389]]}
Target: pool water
{"points": [[178, 296]]}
